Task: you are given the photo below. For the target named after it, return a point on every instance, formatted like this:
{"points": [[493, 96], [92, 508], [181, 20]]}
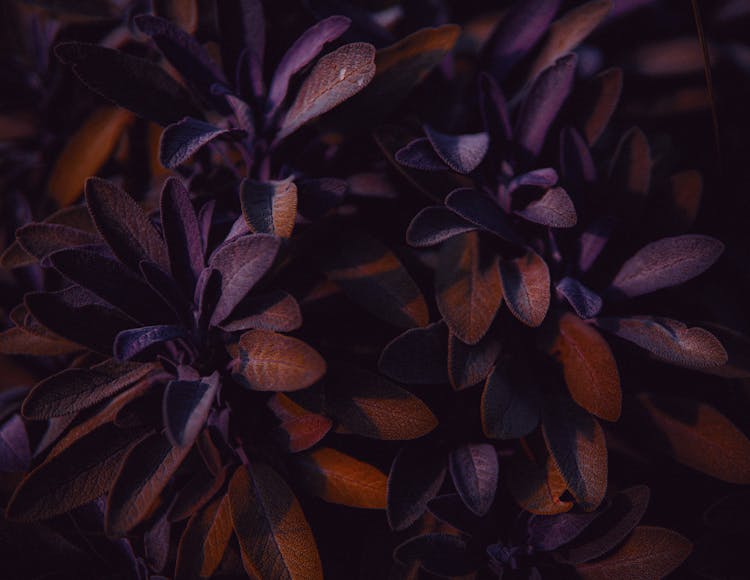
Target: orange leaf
{"points": [[649, 553], [589, 367], [526, 290], [537, 488], [204, 541], [339, 478], [86, 151]]}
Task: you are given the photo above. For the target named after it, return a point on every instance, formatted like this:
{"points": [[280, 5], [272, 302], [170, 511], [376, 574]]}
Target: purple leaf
{"points": [[474, 469], [269, 207], [548, 533], [415, 478], [526, 287], [510, 404], [417, 356], [435, 224], [15, 453], [494, 110], [241, 263], [183, 51], [543, 178], [470, 364], [542, 103], [254, 27], [554, 209], [131, 343], [186, 406], [477, 208], [592, 242], [124, 225], [171, 292], [134, 83], [301, 53], [669, 340], [585, 302], [205, 219], [243, 113], [182, 234], [462, 153], [419, 154], [522, 26], [578, 168], [630, 169], [181, 140], [72, 390], [42, 239], [336, 77], [277, 311], [666, 262]]}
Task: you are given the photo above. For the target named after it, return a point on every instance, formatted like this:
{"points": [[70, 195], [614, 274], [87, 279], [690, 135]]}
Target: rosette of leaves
{"points": [[506, 543], [512, 233], [228, 103], [149, 413]]}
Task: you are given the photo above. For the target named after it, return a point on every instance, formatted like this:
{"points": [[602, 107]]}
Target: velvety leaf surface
{"points": [[547, 533], [537, 487], [336, 77], [417, 356], [273, 533], [204, 541], [182, 234], [468, 287], [607, 87], [584, 301], [470, 364], [576, 443], [269, 207], [15, 450], [589, 367], [301, 53], [669, 340], [435, 224], [186, 406], [341, 479], [631, 165], [478, 209], [71, 390], [554, 209], [699, 436], [542, 103], [526, 287], [41, 239], [124, 225], [462, 153], [276, 310], [667, 262], [181, 140], [649, 552], [367, 404], [274, 362], [441, 554], [78, 474], [420, 154], [131, 343], [131, 82], [474, 469], [510, 404], [415, 478], [144, 473], [242, 262], [305, 431], [373, 277]]}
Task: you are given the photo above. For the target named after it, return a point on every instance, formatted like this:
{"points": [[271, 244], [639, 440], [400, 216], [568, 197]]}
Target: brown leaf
{"points": [[86, 151], [274, 362], [700, 437], [589, 367], [537, 488], [342, 479], [649, 553], [469, 291], [274, 536], [204, 541], [526, 287]]}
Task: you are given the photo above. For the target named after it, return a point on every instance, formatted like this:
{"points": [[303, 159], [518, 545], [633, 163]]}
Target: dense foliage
{"points": [[374, 289]]}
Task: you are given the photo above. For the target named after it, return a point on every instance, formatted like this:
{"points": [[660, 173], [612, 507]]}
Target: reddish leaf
{"points": [[684, 198], [669, 340], [648, 553], [274, 536], [631, 164], [124, 225], [526, 287], [305, 431], [589, 367], [468, 287], [274, 362], [77, 474], [71, 390], [537, 488], [667, 262], [474, 469], [576, 443], [19, 341], [186, 406], [341, 479], [417, 356], [415, 478], [144, 473], [470, 364], [370, 405], [607, 87], [554, 209], [204, 541], [336, 77], [700, 437], [269, 207], [510, 403]]}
